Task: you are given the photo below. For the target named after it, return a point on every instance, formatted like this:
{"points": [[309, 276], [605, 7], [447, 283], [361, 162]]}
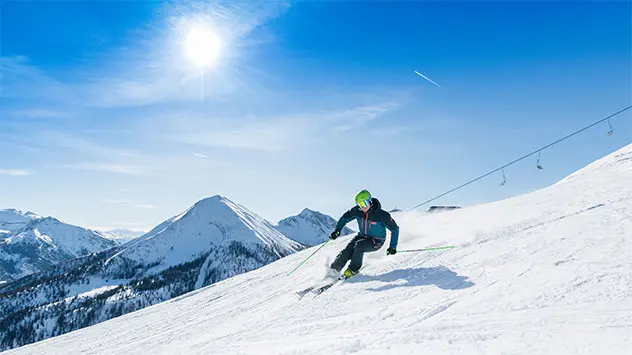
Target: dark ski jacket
{"points": [[373, 223]]}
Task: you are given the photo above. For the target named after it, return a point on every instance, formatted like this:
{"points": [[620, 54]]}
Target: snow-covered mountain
{"points": [[212, 223], [547, 272], [309, 227], [44, 242], [11, 220], [213, 240], [121, 236]]}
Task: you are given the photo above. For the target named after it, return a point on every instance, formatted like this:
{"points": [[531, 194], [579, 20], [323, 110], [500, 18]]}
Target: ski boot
{"points": [[348, 274]]}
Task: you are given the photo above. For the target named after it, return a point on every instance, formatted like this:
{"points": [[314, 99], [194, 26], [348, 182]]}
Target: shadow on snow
{"points": [[439, 276]]}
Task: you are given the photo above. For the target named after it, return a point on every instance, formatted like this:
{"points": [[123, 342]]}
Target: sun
{"points": [[202, 46]]}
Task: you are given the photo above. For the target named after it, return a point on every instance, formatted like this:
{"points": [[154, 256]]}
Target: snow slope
{"points": [[309, 227], [544, 273]]}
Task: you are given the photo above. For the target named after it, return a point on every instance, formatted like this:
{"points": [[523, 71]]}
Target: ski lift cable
{"points": [[523, 157]]}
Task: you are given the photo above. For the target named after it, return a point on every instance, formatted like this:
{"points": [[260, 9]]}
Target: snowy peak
{"points": [[212, 222], [16, 212], [306, 212], [44, 242], [309, 227], [70, 239], [11, 220]]}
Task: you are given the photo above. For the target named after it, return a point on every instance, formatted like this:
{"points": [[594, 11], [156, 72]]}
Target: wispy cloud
{"points": [[146, 206], [114, 168], [280, 133], [91, 154], [95, 153], [41, 113], [114, 202], [203, 156], [85, 145], [15, 172], [271, 136], [392, 131], [359, 116], [127, 203], [22, 80]]}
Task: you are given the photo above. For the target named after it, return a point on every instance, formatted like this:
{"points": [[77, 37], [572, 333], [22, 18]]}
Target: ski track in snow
{"points": [[544, 273]]}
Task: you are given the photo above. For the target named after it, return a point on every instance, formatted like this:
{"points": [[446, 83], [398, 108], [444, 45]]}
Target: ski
{"points": [[323, 288], [302, 293], [317, 290]]}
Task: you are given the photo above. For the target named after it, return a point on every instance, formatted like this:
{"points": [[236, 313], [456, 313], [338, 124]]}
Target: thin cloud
{"points": [[270, 137], [275, 134], [89, 146], [95, 156], [20, 79], [15, 172], [427, 78], [41, 113], [146, 206], [392, 131], [114, 168], [127, 203], [114, 202], [201, 155], [359, 116]]}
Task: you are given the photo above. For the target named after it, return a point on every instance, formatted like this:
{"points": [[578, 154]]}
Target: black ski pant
{"points": [[354, 251]]}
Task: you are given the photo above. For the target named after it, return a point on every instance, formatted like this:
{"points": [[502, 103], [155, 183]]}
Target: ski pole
{"points": [[299, 265], [426, 249]]}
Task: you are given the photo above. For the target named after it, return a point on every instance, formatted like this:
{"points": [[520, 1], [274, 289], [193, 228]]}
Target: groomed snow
{"points": [[543, 273]]}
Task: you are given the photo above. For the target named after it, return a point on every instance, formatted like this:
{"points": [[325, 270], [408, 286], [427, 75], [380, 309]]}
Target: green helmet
{"points": [[363, 198]]}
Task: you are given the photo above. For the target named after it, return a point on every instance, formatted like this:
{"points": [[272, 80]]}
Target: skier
{"points": [[372, 222]]}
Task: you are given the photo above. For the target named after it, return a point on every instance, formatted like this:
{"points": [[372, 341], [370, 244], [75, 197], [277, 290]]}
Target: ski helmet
{"points": [[363, 198]]}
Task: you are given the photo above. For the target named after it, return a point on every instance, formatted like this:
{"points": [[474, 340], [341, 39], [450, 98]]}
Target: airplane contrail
{"points": [[425, 77]]}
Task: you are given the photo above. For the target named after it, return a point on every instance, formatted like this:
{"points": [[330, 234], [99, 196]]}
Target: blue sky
{"points": [[105, 123]]}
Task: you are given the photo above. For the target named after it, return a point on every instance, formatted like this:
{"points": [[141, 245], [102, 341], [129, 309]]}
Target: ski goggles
{"points": [[364, 203]]}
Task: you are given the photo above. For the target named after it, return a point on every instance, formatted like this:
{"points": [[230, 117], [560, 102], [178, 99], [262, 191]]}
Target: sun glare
{"points": [[202, 46]]}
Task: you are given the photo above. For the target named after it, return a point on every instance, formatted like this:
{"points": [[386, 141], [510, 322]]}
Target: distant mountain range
{"points": [[121, 236], [309, 227], [214, 239], [33, 243]]}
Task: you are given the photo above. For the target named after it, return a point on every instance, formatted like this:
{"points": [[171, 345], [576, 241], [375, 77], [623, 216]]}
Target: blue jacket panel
{"points": [[373, 223]]}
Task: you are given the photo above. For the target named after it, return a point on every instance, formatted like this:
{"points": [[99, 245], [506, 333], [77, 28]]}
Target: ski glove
{"points": [[391, 251], [334, 235]]}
